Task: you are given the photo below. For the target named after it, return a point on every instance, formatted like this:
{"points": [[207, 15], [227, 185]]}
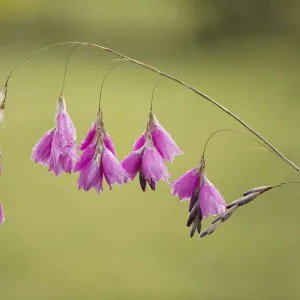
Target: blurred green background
{"points": [[60, 243]]}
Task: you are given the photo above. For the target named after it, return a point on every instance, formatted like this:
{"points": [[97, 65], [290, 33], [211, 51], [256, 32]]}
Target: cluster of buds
{"points": [[248, 197]]}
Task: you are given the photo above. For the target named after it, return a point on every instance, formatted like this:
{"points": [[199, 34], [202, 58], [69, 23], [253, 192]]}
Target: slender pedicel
{"points": [[66, 67]]}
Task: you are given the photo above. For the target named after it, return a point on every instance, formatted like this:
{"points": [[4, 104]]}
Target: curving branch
{"points": [[209, 99]]}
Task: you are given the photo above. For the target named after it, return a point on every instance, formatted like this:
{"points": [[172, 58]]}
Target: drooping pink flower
{"points": [[185, 185], [161, 138], [2, 218], [195, 186], [91, 135], [57, 147], [98, 159], [148, 162]]}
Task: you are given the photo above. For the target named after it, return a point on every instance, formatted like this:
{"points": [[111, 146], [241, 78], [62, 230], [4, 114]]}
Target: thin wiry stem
{"points": [[154, 92], [66, 68], [209, 99], [235, 131], [99, 101]]}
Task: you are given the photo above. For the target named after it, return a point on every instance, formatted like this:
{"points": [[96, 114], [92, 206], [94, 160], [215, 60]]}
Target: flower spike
{"points": [[57, 147], [98, 159]]}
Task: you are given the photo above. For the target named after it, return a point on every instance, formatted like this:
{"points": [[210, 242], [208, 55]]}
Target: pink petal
{"points": [[2, 218], [113, 170], [211, 201], [140, 142], [153, 165], [108, 143], [164, 143], [56, 168], [185, 185], [85, 158], [91, 177], [132, 163], [89, 138], [41, 151]]}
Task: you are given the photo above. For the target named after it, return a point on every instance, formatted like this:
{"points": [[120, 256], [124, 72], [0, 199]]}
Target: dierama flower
{"points": [[2, 218], [150, 150], [98, 159], [161, 139], [205, 199], [148, 162], [57, 147]]}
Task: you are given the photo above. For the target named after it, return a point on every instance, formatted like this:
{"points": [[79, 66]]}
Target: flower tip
{"points": [[61, 104]]}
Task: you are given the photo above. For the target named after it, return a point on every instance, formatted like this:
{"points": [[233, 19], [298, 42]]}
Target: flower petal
{"points": [[164, 143], [42, 150], [185, 185], [112, 169], [108, 143], [211, 201], [85, 158], [89, 138], [140, 142], [132, 163], [91, 176], [153, 165]]}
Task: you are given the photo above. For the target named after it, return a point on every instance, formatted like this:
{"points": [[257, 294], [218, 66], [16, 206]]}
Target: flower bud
{"points": [[260, 189], [244, 200]]}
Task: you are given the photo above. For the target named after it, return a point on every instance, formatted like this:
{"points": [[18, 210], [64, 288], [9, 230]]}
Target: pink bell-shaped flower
{"points": [[148, 162], [98, 159], [205, 199], [209, 199], [161, 138], [57, 147]]}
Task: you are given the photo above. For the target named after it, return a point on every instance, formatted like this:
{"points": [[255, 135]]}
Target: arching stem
{"points": [[209, 99]]}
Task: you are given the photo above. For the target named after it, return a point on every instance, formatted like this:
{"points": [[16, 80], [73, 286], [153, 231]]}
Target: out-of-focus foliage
{"points": [[217, 19]]}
